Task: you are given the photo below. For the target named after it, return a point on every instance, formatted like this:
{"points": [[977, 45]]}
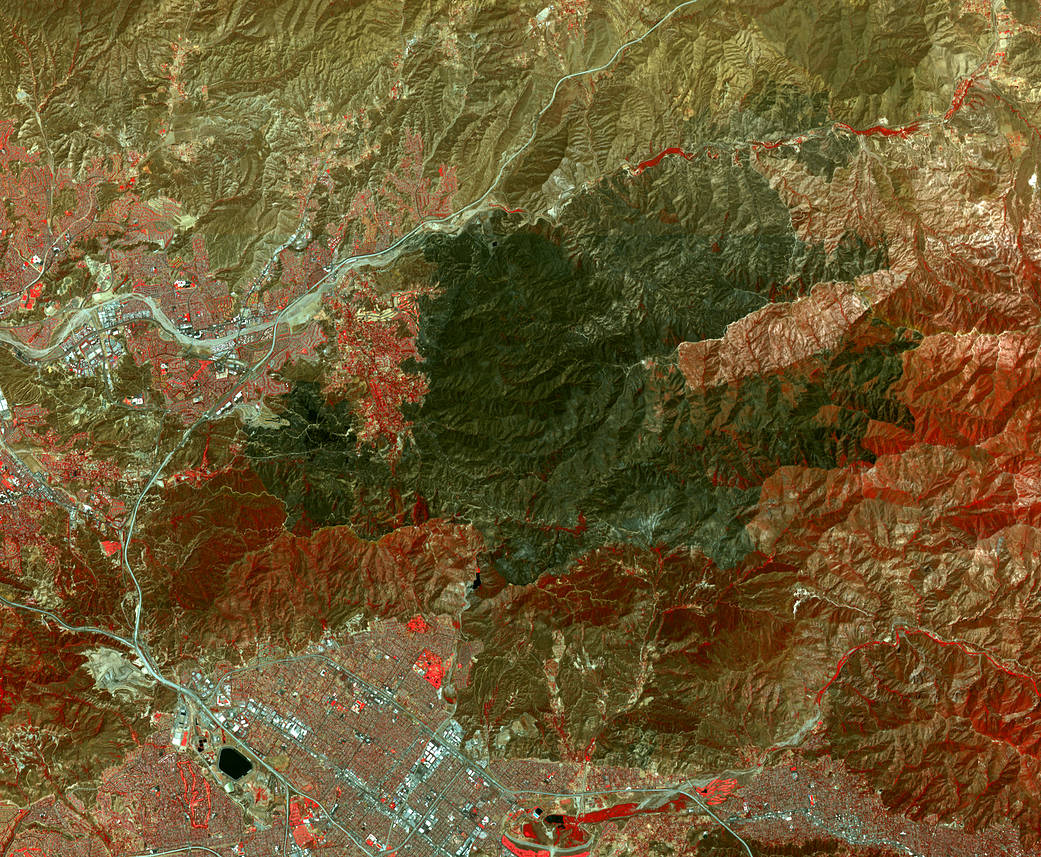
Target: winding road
{"points": [[135, 642]]}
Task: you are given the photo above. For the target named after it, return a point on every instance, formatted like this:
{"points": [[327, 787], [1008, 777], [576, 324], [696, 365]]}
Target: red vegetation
{"points": [[431, 667], [591, 633], [34, 236], [717, 791], [158, 795], [781, 334], [910, 632], [418, 624], [299, 813], [197, 797], [959, 97], [83, 475], [326, 576], [375, 336], [46, 695], [405, 197], [657, 159], [211, 529], [881, 130], [520, 851], [798, 804], [908, 561], [973, 704], [376, 331]]}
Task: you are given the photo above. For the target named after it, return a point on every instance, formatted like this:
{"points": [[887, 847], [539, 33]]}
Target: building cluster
{"points": [[339, 725], [88, 351]]}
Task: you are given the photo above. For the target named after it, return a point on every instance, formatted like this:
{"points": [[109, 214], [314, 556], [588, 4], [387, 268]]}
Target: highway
{"points": [[184, 849], [385, 698], [380, 258]]}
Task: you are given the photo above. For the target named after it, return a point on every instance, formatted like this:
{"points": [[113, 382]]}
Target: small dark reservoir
{"points": [[233, 763]]}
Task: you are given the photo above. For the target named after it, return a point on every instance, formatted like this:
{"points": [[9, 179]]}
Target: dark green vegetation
{"points": [[540, 414], [313, 465], [813, 416], [556, 420]]}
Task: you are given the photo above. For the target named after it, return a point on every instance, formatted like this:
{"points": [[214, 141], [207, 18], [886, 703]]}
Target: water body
{"points": [[233, 763]]}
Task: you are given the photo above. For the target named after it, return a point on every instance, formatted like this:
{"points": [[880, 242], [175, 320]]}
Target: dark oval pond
{"points": [[233, 763]]}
